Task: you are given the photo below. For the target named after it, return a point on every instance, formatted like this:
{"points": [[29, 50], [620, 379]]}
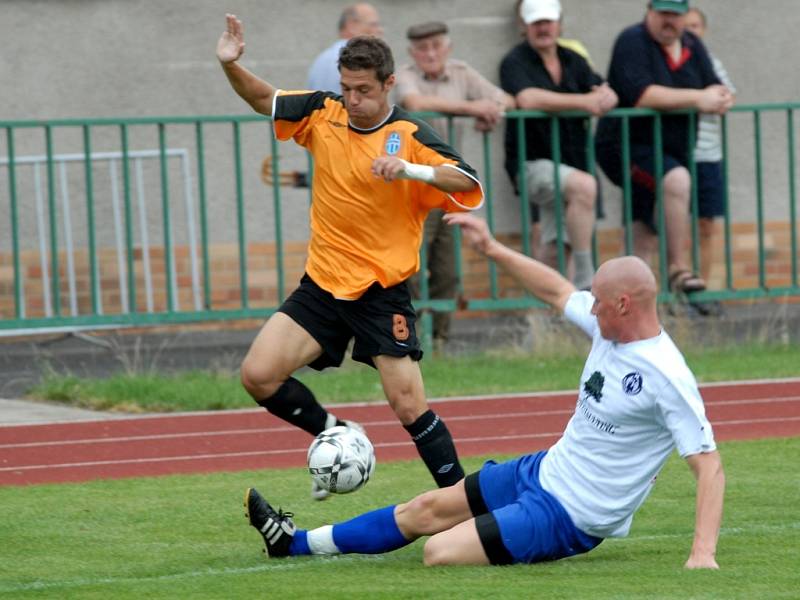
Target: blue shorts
{"points": [[517, 520], [710, 185]]}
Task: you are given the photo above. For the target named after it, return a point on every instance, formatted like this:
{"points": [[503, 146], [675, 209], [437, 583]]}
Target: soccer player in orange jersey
{"points": [[378, 172]]}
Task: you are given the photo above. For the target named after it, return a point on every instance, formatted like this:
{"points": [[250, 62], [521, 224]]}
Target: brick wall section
{"points": [[263, 273]]}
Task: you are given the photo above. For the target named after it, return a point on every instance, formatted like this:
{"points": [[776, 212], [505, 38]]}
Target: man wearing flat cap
{"points": [[657, 64], [436, 82]]}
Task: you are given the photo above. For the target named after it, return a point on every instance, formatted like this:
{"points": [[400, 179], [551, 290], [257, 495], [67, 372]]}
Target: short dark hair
{"points": [[365, 52]]}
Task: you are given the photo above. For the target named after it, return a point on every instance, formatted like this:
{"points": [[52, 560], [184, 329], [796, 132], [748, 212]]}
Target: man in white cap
{"points": [[542, 75]]}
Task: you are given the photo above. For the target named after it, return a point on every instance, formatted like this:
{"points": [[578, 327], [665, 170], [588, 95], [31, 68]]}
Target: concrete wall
{"points": [[111, 58]]}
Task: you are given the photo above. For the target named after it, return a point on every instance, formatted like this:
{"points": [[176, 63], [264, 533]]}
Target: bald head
{"points": [[628, 275], [625, 292]]}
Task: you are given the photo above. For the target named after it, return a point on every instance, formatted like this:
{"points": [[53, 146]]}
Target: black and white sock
{"points": [[435, 446]]}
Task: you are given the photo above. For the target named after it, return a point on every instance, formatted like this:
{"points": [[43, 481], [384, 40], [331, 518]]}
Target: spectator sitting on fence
{"points": [[356, 19], [436, 82], [708, 158], [657, 64], [542, 75]]}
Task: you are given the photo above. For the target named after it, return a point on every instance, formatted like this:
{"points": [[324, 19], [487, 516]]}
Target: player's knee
{"points": [[419, 515], [257, 380], [581, 187], [678, 182], [437, 552]]}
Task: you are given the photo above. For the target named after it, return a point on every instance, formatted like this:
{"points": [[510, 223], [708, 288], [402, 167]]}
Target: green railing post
{"points": [[762, 279], [555, 148], [522, 186], [165, 214], [276, 206], [240, 221], [726, 206], [126, 198], [792, 193], [55, 280], [663, 259], [693, 198], [19, 308], [201, 192], [627, 192], [489, 196], [93, 274]]}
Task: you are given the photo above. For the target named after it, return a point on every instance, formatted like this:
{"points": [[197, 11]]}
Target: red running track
{"points": [[253, 439]]}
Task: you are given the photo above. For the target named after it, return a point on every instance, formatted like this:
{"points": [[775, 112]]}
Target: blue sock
{"points": [[371, 533], [299, 545]]}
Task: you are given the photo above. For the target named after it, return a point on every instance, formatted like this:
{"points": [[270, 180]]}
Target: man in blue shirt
{"points": [[657, 64]]}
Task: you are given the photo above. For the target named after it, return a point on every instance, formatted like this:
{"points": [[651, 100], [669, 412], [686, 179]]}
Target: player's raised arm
{"points": [[707, 468], [253, 90], [543, 282]]}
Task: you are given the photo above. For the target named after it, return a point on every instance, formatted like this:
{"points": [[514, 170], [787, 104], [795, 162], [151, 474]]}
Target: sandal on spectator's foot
{"points": [[683, 280]]}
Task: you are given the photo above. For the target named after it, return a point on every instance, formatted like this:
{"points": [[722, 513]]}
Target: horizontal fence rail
{"points": [[174, 220]]}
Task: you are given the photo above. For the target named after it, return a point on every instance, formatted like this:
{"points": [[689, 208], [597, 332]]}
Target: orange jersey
{"points": [[364, 229]]}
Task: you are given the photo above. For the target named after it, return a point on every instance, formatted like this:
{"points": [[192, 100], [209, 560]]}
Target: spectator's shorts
{"points": [[643, 180], [710, 197], [541, 188], [381, 321], [517, 520]]}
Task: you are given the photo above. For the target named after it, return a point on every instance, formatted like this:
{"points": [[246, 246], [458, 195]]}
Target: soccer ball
{"points": [[341, 459]]}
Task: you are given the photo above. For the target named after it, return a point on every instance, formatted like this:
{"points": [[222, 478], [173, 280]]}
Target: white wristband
{"points": [[424, 173]]}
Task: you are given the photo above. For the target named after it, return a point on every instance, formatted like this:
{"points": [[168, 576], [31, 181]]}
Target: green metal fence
{"points": [[40, 251]]}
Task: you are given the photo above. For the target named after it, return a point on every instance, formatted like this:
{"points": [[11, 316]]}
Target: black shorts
{"points": [[381, 321], [643, 180]]}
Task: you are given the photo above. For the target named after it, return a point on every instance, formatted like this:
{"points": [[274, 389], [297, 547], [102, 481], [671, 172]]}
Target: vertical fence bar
{"points": [[487, 180], [144, 237], [66, 213], [276, 206], [762, 278], [792, 193], [591, 164], [662, 221], [201, 193], [555, 147], [126, 199], [726, 215], [451, 139], [19, 311], [41, 238], [627, 192], [165, 215], [693, 198], [240, 225], [93, 274], [522, 186], [55, 279], [119, 238]]}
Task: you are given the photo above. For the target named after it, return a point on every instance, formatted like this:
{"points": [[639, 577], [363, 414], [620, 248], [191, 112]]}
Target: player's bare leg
{"points": [[404, 389]]}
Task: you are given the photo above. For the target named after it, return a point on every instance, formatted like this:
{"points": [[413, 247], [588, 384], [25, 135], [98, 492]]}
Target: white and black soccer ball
{"points": [[341, 459]]}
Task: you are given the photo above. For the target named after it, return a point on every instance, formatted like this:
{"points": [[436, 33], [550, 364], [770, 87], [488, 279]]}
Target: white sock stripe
{"points": [[320, 541]]}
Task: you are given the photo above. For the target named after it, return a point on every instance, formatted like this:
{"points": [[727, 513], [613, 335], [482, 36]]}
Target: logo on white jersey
{"points": [[632, 383]]}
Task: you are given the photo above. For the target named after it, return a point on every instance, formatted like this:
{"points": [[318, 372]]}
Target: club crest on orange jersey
{"points": [[392, 143]]}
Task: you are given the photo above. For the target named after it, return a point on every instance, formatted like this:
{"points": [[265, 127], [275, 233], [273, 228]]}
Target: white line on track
{"points": [[303, 450], [367, 424], [288, 565]]}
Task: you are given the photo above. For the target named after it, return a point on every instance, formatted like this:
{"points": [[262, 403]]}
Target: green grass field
{"points": [[186, 537], [557, 369]]}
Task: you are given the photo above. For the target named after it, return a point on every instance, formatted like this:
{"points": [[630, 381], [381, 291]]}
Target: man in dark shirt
{"points": [[541, 75], [657, 64]]}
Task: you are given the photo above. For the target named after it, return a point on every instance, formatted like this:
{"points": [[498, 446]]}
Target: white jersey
{"points": [[637, 402]]}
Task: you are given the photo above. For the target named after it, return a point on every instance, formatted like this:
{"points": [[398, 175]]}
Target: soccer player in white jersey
{"points": [[636, 403]]}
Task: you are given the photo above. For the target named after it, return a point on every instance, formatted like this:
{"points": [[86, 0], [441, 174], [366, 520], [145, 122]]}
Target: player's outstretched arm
{"points": [[253, 90], [707, 469], [543, 282]]}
